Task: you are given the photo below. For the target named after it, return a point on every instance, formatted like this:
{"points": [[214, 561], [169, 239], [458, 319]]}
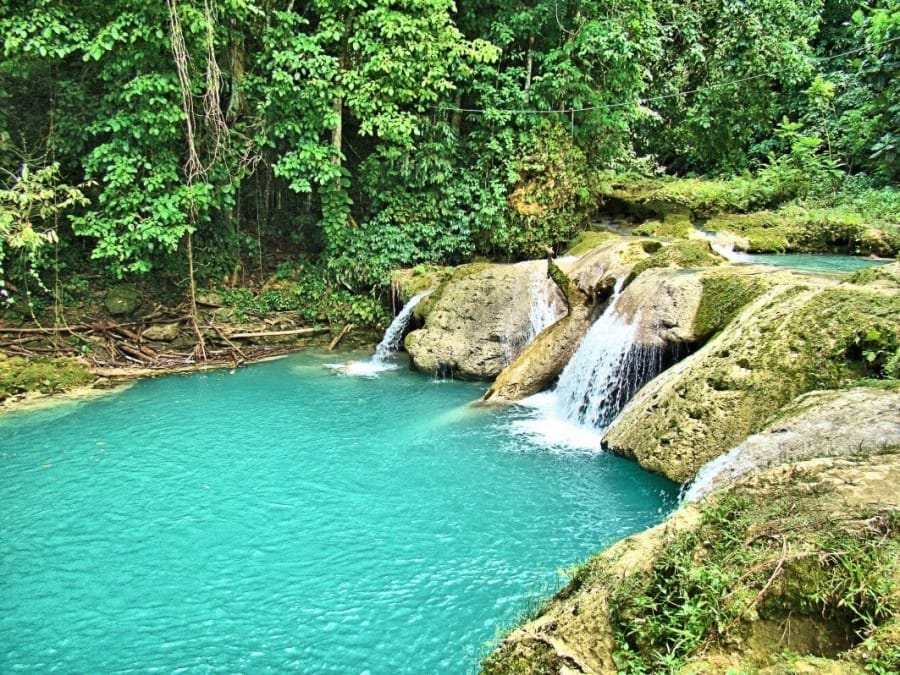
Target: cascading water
{"points": [[390, 343], [544, 310], [606, 371], [724, 247], [388, 346]]}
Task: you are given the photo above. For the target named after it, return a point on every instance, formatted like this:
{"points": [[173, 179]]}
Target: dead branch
{"points": [[274, 333], [340, 336]]}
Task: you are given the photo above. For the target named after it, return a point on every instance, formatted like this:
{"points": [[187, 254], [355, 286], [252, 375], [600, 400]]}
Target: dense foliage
{"points": [[376, 133]]}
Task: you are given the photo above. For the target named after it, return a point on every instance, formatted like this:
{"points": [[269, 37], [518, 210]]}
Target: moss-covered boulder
{"points": [[482, 317], [795, 337], [797, 229], [796, 569], [122, 300], [41, 376]]}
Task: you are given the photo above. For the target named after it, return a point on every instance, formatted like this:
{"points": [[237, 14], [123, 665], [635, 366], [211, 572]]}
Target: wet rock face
{"points": [[831, 423], [792, 339], [482, 320]]}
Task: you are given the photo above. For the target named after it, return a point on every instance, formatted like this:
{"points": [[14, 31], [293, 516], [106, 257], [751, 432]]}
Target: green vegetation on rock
{"points": [[794, 569], [688, 254], [45, 376], [766, 581], [723, 297], [789, 340]]}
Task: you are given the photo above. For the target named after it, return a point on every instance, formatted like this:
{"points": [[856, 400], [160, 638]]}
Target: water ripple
{"points": [[282, 518]]}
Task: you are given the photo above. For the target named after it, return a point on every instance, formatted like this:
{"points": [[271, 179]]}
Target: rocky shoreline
{"points": [[795, 371]]}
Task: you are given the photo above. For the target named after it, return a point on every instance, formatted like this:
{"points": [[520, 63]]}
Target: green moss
{"points": [[47, 376], [842, 335], [587, 240], [798, 229], [723, 296], [691, 253], [888, 274], [442, 276], [703, 197]]}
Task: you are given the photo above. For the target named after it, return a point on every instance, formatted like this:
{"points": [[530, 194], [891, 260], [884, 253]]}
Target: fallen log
{"points": [[275, 333], [340, 336]]}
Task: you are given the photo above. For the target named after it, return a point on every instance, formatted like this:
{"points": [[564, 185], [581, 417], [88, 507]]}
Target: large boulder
{"points": [[795, 337], [664, 300], [122, 300], [830, 423], [481, 318]]}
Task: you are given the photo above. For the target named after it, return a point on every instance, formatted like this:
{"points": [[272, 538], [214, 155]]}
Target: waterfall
{"points": [[544, 309], [606, 371], [725, 247], [390, 343], [388, 346]]}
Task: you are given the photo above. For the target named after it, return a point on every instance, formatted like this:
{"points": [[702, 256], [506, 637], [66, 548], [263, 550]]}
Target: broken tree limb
{"points": [[340, 336], [227, 341], [273, 333]]}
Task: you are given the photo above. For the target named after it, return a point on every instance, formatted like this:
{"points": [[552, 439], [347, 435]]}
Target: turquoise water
{"points": [[285, 518], [813, 262]]}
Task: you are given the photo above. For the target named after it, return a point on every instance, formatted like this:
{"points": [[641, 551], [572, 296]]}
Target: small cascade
{"points": [[390, 343], [724, 247], [608, 369], [543, 311], [388, 346], [598, 381], [722, 469]]}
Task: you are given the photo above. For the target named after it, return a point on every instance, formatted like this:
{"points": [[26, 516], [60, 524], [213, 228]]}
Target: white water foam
{"points": [[390, 343], [606, 371], [725, 248]]}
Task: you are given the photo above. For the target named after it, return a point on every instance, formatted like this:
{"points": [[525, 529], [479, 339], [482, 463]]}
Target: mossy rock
{"points": [[587, 240], [791, 339], [45, 376], [687, 254], [723, 297], [795, 570], [122, 300], [794, 229], [883, 275]]}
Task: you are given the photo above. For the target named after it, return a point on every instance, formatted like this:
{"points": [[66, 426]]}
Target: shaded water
{"points": [[283, 517]]}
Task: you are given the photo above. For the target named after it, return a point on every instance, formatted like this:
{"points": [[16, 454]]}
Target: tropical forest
{"points": [[435, 336]]}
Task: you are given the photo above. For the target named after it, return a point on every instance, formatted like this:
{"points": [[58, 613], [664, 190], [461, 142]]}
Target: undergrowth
{"points": [[752, 560]]}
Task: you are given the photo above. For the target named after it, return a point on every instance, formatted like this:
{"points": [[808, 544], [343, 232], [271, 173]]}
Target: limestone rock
{"points": [[545, 357], [794, 338], [818, 424], [162, 332], [122, 301], [589, 278], [481, 319], [664, 303], [576, 630]]}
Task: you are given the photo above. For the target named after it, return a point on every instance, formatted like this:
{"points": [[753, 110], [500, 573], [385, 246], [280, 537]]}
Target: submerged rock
{"points": [[482, 317]]}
